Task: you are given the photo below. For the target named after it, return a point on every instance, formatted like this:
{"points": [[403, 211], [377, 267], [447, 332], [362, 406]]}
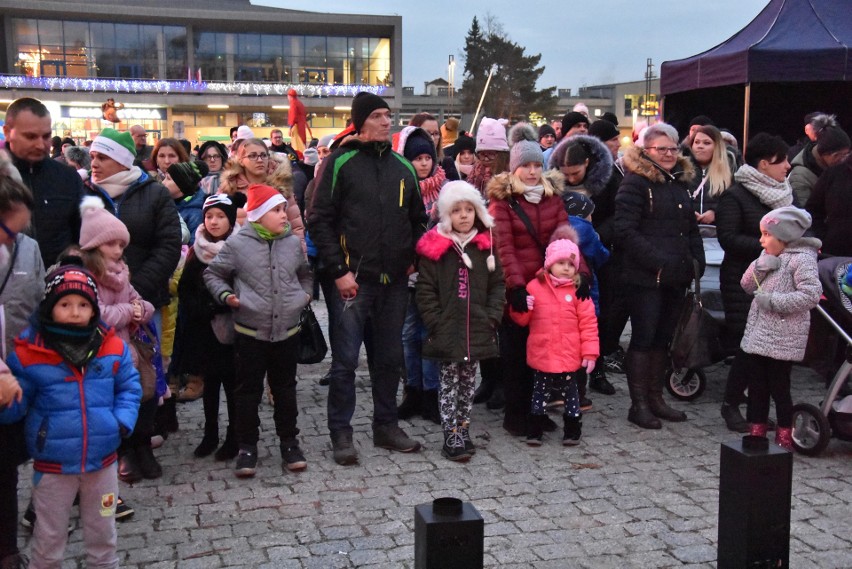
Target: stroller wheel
{"points": [[811, 431], [686, 384]]}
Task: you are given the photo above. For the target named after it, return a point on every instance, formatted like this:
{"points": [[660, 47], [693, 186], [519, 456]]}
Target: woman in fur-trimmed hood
{"points": [[658, 240], [585, 162]]}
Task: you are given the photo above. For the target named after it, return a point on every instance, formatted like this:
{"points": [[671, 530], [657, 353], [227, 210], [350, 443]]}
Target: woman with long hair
{"points": [[714, 172], [166, 152]]}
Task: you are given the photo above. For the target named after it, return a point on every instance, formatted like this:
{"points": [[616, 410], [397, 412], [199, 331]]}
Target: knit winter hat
{"points": [[544, 130], [525, 147], [491, 135], [460, 191], [363, 104], [603, 130], [187, 175], [117, 145], [786, 223], [561, 250], [465, 142], [261, 199], [608, 116], [701, 120], [578, 204], [418, 142], [449, 131], [98, 226], [244, 132], [326, 141], [572, 119], [228, 205], [65, 280]]}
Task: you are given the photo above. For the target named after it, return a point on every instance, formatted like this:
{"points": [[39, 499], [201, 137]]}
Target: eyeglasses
{"points": [[486, 155], [664, 149], [254, 156], [12, 235], [212, 157]]}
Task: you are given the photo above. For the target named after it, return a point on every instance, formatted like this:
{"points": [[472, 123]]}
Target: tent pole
{"points": [[745, 115]]}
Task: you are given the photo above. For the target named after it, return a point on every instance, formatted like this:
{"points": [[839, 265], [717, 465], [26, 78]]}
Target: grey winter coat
{"points": [[782, 332], [272, 280], [23, 292], [804, 173]]}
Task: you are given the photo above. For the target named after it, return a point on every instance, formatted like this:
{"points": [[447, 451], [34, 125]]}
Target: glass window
{"points": [[126, 37], [102, 34], [315, 49], [248, 46], [206, 43], [336, 47], [50, 32], [26, 31]]}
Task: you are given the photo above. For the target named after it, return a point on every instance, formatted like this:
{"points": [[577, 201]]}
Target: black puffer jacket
{"points": [[738, 216], [655, 227], [367, 213], [155, 242], [830, 205], [603, 218], [57, 191]]}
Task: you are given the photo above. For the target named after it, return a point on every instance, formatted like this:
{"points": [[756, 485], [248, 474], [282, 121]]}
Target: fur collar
{"points": [[502, 186], [636, 162], [600, 161], [433, 245]]}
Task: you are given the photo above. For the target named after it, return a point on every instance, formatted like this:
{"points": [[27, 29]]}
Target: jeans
{"points": [[420, 374], [384, 307], [654, 313]]}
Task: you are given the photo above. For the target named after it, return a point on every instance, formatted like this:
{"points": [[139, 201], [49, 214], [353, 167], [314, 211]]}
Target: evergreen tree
{"points": [[512, 93]]}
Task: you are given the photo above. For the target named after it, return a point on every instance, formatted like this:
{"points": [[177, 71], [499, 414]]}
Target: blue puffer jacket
{"points": [[190, 209], [73, 416]]}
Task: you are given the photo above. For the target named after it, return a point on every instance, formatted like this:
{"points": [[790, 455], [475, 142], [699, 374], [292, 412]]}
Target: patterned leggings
{"points": [[458, 382], [563, 383]]}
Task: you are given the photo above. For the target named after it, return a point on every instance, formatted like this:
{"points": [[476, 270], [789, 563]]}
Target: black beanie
{"points": [[228, 205], [831, 139], [363, 104], [608, 116], [578, 204], [544, 130], [417, 143], [187, 175], [465, 142], [701, 120], [603, 130], [571, 119]]}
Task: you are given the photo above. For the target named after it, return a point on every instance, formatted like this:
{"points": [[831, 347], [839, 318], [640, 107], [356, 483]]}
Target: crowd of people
{"points": [[136, 276]]}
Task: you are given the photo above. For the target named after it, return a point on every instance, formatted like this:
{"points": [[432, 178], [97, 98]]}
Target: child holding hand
{"points": [[785, 283], [563, 338]]}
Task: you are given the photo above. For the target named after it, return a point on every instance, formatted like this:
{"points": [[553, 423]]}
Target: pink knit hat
{"points": [[491, 135], [561, 250], [99, 226]]}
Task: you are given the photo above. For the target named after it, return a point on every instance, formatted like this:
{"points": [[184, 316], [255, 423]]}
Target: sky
{"points": [[582, 42]]}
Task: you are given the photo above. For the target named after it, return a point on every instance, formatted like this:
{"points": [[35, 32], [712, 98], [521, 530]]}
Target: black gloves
{"points": [[583, 289], [518, 299]]}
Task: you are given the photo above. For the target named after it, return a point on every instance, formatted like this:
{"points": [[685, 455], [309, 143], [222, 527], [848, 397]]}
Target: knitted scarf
{"points": [[479, 177], [430, 187], [205, 249], [116, 277], [533, 194], [118, 183], [771, 193]]}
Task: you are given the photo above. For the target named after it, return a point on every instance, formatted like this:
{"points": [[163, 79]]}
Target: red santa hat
{"points": [[261, 199]]}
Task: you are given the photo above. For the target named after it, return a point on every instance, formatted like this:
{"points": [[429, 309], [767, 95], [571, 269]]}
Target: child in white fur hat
{"points": [[460, 295], [785, 283]]}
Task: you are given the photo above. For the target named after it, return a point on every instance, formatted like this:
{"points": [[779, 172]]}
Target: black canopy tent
{"points": [[792, 59]]}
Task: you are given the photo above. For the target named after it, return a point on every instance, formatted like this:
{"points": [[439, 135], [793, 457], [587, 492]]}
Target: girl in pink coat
{"points": [[563, 338]]}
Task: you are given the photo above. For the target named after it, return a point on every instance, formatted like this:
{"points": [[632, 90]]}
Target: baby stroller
{"points": [[813, 426], [687, 384]]}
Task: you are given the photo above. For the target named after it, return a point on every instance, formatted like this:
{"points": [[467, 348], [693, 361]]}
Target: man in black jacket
{"points": [[367, 216], [57, 188]]}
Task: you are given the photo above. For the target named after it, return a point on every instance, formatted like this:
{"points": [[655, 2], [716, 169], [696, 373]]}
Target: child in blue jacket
{"points": [[81, 394]]}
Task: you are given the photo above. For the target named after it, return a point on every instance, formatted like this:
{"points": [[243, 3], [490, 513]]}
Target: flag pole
{"points": [[482, 98]]}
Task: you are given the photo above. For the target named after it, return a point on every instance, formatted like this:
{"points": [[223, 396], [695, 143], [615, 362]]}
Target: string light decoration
{"points": [[165, 87]]}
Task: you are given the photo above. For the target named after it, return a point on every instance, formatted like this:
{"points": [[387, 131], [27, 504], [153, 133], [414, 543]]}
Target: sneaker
{"points": [[468, 444], [453, 448], [246, 464], [392, 437], [293, 458], [123, 512], [598, 382], [614, 362], [343, 450], [29, 519]]}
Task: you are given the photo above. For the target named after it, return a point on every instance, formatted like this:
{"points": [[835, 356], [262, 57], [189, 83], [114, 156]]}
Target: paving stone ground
{"points": [[626, 497]]}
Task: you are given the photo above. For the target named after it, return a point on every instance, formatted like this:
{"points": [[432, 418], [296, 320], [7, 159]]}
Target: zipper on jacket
{"points": [[78, 378], [651, 199]]}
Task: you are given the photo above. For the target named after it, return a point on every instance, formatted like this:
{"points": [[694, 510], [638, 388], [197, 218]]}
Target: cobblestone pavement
{"points": [[625, 498]]}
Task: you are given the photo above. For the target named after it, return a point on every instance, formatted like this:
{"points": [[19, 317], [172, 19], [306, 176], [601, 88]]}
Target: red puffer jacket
{"points": [[563, 329]]}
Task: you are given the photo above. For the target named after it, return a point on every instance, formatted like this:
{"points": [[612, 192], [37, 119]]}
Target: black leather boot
{"points": [[229, 448], [411, 403], [430, 406], [637, 368], [658, 360], [535, 430]]}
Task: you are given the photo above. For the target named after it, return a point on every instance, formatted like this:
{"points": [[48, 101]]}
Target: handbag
{"points": [[148, 349], [312, 345], [695, 343]]}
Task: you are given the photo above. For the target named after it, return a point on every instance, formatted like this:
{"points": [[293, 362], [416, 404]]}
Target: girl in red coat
{"points": [[563, 337]]}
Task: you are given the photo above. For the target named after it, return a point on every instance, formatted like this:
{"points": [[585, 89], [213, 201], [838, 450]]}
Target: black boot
{"points": [[229, 448], [208, 443], [733, 418], [515, 422], [598, 381], [572, 430], [148, 464], [411, 403], [637, 368], [128, 466], [430, 406], [166, 420], [484, 391], [658, 406], [534, 430], [497, 399]]}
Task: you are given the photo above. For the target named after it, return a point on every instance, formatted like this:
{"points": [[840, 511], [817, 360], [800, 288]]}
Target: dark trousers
{"points": [[737, 380], [767, 378], [11, 445], [144, 429], [654, 313], [614, 304], [517, 375], [221, 375], [545, 384], [277, 361], [381, 308]]}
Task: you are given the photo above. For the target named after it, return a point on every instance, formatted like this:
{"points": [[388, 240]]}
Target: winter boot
{"points": [[193, 389], [657, 361], [209, 442], [498, 398], [165, 418], [148, 464], [128, 465], [638, 375], [757, 429], [784, 438], [430, 407], [534, 430], [464, 431], [572, 430], [598, 381], [453, 448], [484, 390], [229, 448], [411, 403], [733, 418]]}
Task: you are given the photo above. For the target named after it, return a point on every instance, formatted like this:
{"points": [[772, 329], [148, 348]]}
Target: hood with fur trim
{"points": [[433, 245], [600, 160], [637, 162], [502, 186]]}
